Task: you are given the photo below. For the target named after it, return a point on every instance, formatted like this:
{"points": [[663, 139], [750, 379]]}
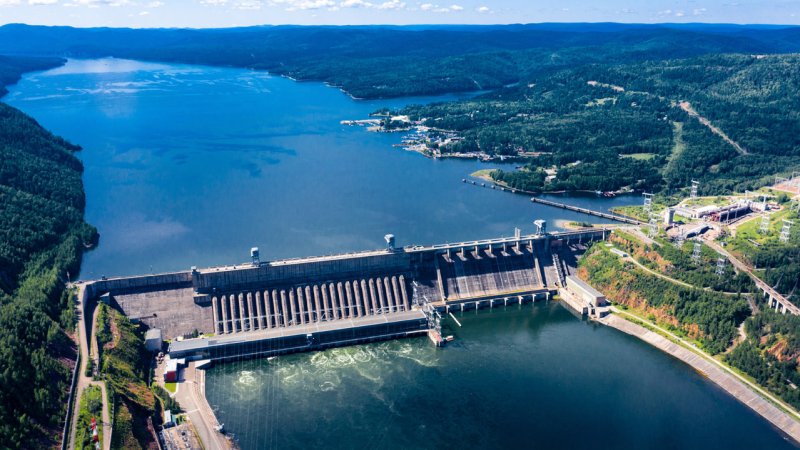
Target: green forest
{"points": [[612, 126], [42, 237], [770, 353], [602, 106], [709, 317], [625, 130], [771, 350]]}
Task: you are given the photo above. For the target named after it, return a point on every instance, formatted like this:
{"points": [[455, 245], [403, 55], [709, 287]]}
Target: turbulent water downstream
{"points": [[516, 377], [189, 165]]}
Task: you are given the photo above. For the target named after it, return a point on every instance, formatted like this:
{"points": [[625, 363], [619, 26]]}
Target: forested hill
{"points": [[42, 236], [373, 62], [11, 68], [639, 125]]}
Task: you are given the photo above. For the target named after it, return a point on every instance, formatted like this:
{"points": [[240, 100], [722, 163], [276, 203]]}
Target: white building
{"points": [[585, 293]]}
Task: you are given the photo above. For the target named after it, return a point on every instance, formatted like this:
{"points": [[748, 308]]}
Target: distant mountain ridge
{"points": [[393, 61]]}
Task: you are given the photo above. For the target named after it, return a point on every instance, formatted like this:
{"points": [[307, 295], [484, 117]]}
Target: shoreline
{"points": [[724, 379], [483, 174]]}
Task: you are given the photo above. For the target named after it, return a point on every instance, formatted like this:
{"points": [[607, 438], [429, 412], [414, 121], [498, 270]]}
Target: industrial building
{"points": [[153, 340], [586, 293], [316, 302]]}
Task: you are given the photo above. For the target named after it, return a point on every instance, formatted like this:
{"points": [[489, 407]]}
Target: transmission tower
{"points": [[696, 251], [721, 261], [695, 185], [764, 228], [786, 230], [648, 202], [652, 226], [679, 240]]}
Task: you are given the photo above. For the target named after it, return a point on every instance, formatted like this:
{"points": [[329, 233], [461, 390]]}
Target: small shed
{"points": [[171, 371], [153, 340]]}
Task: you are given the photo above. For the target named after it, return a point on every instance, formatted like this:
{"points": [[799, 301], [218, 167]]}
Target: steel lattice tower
{"points": [[648, 202], [721, 261], [786, 230], [764, 228], [695, 186], [653, 225], [696, 251]]}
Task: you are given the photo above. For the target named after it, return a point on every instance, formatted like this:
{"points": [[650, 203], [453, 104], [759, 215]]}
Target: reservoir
{"points": [[193, 166], [189, 165]]}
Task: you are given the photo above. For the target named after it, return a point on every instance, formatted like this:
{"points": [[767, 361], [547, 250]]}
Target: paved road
{"points": [[191, 397], [673, 280], [741, 266], [83, 380]]}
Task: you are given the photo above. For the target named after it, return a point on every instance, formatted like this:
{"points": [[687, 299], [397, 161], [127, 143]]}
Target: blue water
{"points": [[528, 377], [189, 165]]}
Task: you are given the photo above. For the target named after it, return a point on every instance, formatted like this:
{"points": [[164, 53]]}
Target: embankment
{"points": [[726, 380]]}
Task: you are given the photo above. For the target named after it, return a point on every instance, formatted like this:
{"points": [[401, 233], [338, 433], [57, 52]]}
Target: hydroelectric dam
{"points": [[262, 308]]}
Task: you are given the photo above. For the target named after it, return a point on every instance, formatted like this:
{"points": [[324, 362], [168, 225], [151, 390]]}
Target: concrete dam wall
{"points": [[324, 299]]}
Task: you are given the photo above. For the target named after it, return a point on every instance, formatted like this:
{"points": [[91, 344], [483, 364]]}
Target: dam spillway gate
{"points": [[315, 302]]}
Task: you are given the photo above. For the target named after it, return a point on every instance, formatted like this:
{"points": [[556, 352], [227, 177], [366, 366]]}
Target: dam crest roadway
{"points": [[302, 304]]}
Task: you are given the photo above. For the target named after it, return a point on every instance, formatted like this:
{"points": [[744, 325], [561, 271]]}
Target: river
{"points": [[189, 165], [192, 166]]}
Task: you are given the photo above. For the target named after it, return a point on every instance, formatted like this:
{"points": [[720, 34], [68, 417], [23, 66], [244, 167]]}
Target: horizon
{"points": [[201, 14], [425, 25]]}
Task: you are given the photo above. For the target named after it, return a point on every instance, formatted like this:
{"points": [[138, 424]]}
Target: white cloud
{"points": [[248, 5], [98, 3], [144, 13], [355, 4], [443, 9], [294, 5], [392, 4], [155, 4], [483, 9], [42, 2], [9, 2], [699, 11]]}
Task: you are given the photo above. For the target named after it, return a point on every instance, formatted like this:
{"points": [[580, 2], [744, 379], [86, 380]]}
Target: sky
{"points": [[227, 13]]}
